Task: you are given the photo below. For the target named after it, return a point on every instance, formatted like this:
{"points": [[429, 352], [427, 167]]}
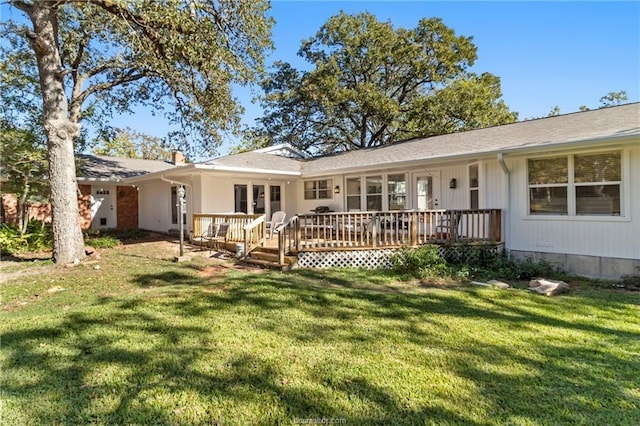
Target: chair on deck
{"points": [[277, 219], [206, 236], [219, 237], [445, 229]]}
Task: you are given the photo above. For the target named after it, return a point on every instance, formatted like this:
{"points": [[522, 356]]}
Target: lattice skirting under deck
{"points": [[381, 258]]}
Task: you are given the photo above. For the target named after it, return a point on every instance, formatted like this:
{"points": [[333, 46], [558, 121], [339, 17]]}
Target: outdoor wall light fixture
{"points": [[336, 190], [453, 183]]}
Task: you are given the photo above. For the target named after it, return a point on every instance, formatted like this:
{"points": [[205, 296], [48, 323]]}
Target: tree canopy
{"points": [[129, 143], [371, 84], [92, 58]]}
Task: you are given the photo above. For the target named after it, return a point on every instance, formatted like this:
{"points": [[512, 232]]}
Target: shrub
{"points": [[105, 241], [421, 262], [38, 237]]}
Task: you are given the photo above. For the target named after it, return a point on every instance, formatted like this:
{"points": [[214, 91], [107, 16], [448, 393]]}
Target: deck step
{"points": [[270, 256], [268, 264]]}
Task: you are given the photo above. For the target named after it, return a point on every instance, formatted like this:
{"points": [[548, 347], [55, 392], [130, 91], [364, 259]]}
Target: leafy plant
{"points": [[421, 262], [105, 241], [38, 237]]}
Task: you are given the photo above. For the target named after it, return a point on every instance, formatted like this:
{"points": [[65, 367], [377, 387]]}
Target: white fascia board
{"points": [[246, 170], [104, 180]]}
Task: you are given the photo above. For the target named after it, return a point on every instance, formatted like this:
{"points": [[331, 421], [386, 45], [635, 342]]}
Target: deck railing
{"points": [[395, 228], [237, 223]]}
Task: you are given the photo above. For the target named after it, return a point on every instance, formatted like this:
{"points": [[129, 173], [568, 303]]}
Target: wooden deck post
{"points": [[414, 228]]}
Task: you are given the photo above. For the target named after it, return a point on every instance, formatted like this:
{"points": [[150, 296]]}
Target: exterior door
{"points": [[427, 192], [240, 198], [103, 207], [258, 199], [275, 198]]}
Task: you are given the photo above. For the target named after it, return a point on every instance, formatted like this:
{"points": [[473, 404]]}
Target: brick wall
{"points": [[42, 211], [127, 207], [84, 206], [38, 211]]}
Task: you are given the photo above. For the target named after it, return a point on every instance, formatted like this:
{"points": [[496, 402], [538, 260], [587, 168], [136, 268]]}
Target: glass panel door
{"points": [[424, 193], [240, 201], [258, 199], [275, 198]]}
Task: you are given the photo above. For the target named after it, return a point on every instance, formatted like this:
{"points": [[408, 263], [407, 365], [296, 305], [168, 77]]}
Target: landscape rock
{"points": [[91, 252], [499, 284], [55, 289], [492, 283], [548, 287]]}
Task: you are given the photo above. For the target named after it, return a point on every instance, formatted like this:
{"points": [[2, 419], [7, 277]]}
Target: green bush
{"points": [[105, 241], [38, 237], [421, 262], [514, 269]]}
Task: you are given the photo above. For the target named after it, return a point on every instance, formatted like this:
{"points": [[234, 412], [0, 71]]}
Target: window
{"points": [[318, 189], [353, 194], [374, 193], [474, 187], [397, 192], [584, 184], [597, 183]]}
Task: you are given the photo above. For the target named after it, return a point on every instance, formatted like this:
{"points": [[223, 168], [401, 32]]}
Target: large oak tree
{"points": [[370, 84], [94, 57]]}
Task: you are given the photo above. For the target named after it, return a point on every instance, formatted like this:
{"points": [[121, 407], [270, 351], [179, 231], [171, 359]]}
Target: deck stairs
{"points": [[268, 257]]}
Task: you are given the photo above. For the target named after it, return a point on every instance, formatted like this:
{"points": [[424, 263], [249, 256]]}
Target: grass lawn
{"points": [[143, 340]]}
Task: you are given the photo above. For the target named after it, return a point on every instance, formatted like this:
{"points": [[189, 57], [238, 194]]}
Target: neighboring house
{"points": [[568, 186]]}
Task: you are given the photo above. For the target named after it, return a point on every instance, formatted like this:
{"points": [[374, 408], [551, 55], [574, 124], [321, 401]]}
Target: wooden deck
{"points": [[359, 230]]}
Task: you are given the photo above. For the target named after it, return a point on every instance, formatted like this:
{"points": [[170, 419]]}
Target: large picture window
{"points": [[581, 184], [317, 189]]}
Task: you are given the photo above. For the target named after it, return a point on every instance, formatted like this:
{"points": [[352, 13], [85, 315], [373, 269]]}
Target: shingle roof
{"points": [[101, 167], [258, 161], [600, 123]]}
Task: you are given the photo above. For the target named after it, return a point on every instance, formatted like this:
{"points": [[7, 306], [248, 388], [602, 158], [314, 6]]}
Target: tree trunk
{"points": [[68, 244], [23, 210]]}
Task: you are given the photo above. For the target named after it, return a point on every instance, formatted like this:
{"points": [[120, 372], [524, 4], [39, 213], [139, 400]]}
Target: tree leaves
{"points": [[371, 84]]}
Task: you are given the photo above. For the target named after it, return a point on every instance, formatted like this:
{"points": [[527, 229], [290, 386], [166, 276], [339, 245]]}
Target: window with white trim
{"points": [[353, 194], [576, 185], [474, 187], [374, 193], [318, 189], [397, 191]]}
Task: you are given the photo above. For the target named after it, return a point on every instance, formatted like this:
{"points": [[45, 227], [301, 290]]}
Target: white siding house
{"points": [[568, 186]]}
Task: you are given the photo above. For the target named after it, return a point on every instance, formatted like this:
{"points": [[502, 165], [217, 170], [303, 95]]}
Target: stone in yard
{"points": [[499, 284], [548, 287]]}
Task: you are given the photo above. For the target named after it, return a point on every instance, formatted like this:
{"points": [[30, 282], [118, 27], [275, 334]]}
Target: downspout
{"points": [[175, 182], [507, 219]]}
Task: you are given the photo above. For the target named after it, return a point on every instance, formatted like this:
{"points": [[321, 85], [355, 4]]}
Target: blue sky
{"points": [[546, 53]]}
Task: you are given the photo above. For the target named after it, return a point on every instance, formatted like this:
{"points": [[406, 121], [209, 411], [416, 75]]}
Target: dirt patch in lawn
{"points": [[224, 268]]}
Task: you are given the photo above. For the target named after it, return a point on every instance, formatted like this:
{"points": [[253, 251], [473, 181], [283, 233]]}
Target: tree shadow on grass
{"points": [[164, 358]]}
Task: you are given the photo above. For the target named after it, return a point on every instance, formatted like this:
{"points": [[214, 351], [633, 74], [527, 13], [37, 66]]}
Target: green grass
{"points": [[143, 340]]}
